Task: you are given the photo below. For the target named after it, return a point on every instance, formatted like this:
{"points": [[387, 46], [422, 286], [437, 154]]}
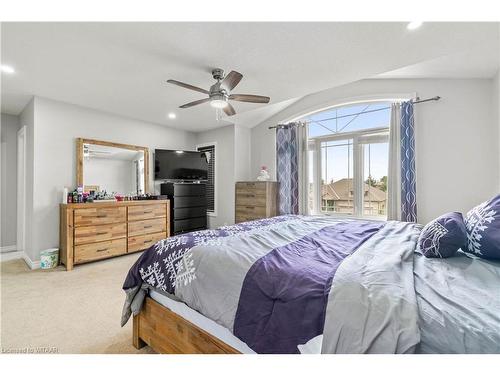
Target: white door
{"points": [[21, 188]]}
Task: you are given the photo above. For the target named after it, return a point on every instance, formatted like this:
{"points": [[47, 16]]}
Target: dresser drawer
{"points": [[189, 212], [190, 224], [240, 217], [251, 210], [100, 215], [180, 202], [189, 190], [100, 250], [138, 243], [91, 234], [251, 187], [137, 228], [250, 199], [183, 190], [147, 211]]}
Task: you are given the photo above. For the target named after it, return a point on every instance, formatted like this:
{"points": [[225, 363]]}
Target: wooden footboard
{"points": [[166, 332]]}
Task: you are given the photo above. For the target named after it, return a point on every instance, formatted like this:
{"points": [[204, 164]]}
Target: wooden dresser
{"points": [[94, 231], [255, 200]]}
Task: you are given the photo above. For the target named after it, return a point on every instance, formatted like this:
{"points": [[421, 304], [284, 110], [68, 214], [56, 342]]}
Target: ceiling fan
{"points": [[220, 92]]}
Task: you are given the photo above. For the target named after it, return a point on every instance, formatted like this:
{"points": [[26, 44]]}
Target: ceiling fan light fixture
{"points": [[218, 103]]}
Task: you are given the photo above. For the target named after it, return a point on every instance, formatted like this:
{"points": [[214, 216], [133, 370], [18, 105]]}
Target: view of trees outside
{"points": [[380, 184]]}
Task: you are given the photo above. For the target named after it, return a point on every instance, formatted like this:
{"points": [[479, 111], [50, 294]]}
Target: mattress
{"points": [[201, 321]]}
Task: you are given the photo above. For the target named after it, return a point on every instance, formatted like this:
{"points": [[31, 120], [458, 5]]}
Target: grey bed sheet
{"points": [[459, 304]]}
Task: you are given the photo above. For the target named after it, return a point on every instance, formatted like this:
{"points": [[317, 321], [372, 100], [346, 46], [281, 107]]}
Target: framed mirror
{"points": [[112, 167]]}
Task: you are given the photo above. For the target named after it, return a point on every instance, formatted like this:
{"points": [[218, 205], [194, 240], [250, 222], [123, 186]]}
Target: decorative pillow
{"points": [[483, 229], [442, 237]]}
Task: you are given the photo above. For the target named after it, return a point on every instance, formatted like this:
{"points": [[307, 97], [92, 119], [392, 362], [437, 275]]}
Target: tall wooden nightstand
{"points": [[256, 200]]}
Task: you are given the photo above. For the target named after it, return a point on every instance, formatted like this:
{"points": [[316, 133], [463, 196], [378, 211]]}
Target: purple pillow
{"points": [[483, 229], [442, 237]]}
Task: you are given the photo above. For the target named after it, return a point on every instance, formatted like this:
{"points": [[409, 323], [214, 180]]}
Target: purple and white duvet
{"points": [[279, 283]]}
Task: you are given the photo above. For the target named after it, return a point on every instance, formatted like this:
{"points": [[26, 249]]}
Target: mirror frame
{"points": [[79, 158]]}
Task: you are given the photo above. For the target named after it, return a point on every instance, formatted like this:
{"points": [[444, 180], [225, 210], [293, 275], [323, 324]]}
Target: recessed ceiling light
{"points": [[172, 115], [414, 25], [7, 69]]}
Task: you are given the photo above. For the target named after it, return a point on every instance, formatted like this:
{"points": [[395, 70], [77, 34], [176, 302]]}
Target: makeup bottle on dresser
{"points": [[65, 195]]}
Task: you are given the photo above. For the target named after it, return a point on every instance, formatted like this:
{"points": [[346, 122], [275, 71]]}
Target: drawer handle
{"points": [[100, 250], [250, 208], [101, 233], [148, 212], [148, 241], [101, 216], [148, 226]]}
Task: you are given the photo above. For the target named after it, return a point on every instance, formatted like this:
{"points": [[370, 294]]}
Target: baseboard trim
{"points": [[8, 249], [31, 264], [11, 255]]}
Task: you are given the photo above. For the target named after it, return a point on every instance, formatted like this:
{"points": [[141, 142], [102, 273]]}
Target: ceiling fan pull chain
{"points": [[218, 114]]}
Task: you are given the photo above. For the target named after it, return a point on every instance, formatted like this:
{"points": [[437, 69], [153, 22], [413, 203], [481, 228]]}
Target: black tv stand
{"points": [[188, 206]]}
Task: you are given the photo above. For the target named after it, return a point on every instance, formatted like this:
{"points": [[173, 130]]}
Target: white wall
{"points": [[9, 128], [56, 126], [225, 169], [242, 150], [457, 138], [496, 104], [263, 148]]}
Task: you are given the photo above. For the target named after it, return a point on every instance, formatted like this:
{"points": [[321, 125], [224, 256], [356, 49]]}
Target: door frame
{"points": [[21, 189]]}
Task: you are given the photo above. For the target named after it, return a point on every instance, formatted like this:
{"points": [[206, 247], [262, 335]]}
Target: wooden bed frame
{"points": [[169, 333]]}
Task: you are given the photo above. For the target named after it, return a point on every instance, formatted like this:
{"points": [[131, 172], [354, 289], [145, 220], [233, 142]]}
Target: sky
{"points": [[376, 155]]}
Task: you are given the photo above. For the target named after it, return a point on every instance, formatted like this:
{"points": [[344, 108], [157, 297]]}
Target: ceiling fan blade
{"points": [[187, 86], [231, 80], [229, 110], [249, 98], [196, 102]]}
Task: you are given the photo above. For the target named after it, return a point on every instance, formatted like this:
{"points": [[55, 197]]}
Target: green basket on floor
{"points": [[49, 259]]}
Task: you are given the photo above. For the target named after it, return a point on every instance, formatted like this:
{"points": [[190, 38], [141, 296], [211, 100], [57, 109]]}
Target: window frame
{"points": [[358, 170], [216, 176]]}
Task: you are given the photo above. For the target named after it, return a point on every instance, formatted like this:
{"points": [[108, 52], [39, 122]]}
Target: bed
{"points": [[310, 284]]}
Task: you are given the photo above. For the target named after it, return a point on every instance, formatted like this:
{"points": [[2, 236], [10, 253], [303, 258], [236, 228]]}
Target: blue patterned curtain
{"points": [[408, 176], [287, 169]]}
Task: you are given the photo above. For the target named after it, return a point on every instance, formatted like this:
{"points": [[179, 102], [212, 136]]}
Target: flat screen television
{"points": [[180, 165]]}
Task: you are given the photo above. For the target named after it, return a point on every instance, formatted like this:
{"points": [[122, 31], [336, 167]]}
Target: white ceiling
{"points": [[481, 62], [121, 68]]}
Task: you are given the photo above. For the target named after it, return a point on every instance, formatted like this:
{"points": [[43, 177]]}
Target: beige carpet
{"points": [[74, 312]]}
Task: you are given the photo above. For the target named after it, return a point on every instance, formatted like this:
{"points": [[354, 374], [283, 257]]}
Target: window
{"points": [[210, 150], [348, 154]]}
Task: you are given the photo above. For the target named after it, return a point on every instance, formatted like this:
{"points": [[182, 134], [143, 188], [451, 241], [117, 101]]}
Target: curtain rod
{"points": [[416, 101]]}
